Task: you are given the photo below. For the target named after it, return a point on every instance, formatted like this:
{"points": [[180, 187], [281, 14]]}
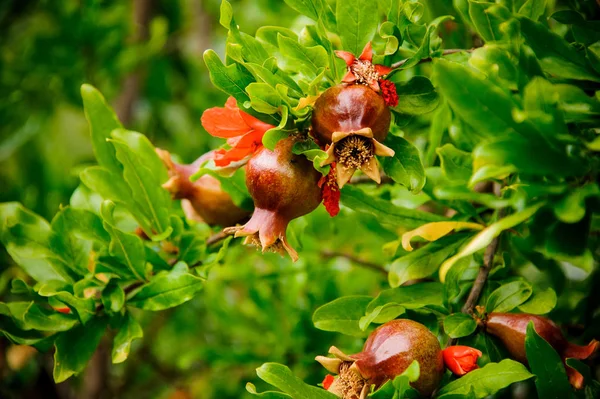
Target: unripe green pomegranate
{"points": [[353, 119], [284, 186], [387, 353]]}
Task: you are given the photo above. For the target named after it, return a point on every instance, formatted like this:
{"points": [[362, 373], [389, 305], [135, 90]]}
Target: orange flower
{"points": [[243, 132], [362, 70], [461, 359]]}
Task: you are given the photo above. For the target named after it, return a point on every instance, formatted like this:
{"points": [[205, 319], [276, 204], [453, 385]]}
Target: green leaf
{"points": [[264, 98], [381, 314], [459, 325], [84, 308], [267, 394], [414, 296], [309, 61], [572, 207], [129, 330], [487, 380], [144, 173], [385, 211], [102, 121], [541, 302], [281, 377], [509, 296], [342, 315], [232, 79], [489, 20], [405, 167], [168, 289], [556, 56], [533, 9], [30, 316], [127, 248], [75, 348], [316, 10], [272, 136], [417, 96], [485, 237], [313, 153], [357, 23], [456, 164], [32, 244], [81, 223], [398, 387], [113, 296], [424, 261], [546, 364]]}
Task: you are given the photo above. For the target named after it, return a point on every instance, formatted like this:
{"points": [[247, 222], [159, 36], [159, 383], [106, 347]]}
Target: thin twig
{"points": [[221, 235], [424, 60], [358, 261]]}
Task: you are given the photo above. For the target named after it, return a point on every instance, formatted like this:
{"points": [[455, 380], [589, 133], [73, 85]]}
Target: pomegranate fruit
{"points": [[284, 186], [202, 200], [387, 353], [511, 329], [353, 120]]}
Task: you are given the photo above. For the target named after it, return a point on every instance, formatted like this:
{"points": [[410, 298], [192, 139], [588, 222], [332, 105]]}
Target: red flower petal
{"points": [[367, 53], [328, 381], [331, 192], [224, 122], [383, 70], [461, 359], [347, 56]]}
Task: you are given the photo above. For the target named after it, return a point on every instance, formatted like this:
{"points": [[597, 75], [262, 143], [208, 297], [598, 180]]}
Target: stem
{"points": [[424, 60], [221, 235], [358, 261]]}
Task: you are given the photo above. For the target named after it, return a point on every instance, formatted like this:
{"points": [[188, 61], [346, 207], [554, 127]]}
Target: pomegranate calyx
{"points": [[356, 150]]}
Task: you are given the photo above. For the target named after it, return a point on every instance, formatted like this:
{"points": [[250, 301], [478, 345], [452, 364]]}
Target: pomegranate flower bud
{"points": [[243, 132], [461, 359]]}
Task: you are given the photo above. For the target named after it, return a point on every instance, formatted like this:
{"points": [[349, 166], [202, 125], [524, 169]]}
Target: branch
{"points": [[488, 264], [424, 60], [358, 261], [221, 235]]}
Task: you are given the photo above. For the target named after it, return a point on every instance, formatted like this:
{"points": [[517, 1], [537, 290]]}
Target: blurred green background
{"points": [[145, 56]]}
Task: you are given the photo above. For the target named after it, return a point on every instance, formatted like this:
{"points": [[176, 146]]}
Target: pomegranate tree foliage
{"points": [[519, 111]]}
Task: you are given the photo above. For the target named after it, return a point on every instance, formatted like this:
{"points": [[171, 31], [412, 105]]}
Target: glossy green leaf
{"points": [[386, 212], [541, 302], [417, 96], [342, 315], [306, 60], [81, 223], [168, 289], [424, 261], [485, 237], [30, 316], [489, 20], [456, 164], [126, 247], [546, 364], [459, 325], [487, 380], [129, 330], [357, 23], [533, 9], [414, 296], [102, 121], [74, 348], [113, 296], [405, 167], [84, 308], [232, 79], [398, 387], [282, 378], [509, 296]]}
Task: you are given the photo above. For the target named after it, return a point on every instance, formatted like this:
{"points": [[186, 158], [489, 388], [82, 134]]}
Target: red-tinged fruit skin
{"points": [[387, 353], [203, 199], [349, 108], [284, 186], [511, 329]]}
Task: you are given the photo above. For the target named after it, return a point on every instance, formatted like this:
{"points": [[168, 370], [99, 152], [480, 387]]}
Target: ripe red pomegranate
{"points": [[284, 186], [353, 120], [511, 329], [387, 353], [202, 200]]}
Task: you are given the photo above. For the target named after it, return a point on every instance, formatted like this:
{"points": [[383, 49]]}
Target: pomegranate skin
{"points": [[284, 186], [350, 108], [511, 329], [392, 347], [202, 200]]}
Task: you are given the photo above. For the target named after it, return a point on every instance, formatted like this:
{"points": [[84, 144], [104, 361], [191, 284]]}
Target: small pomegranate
{"points": [[284, 186], [353, 119], [387, 353], [511, 329], [202, 200]]}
